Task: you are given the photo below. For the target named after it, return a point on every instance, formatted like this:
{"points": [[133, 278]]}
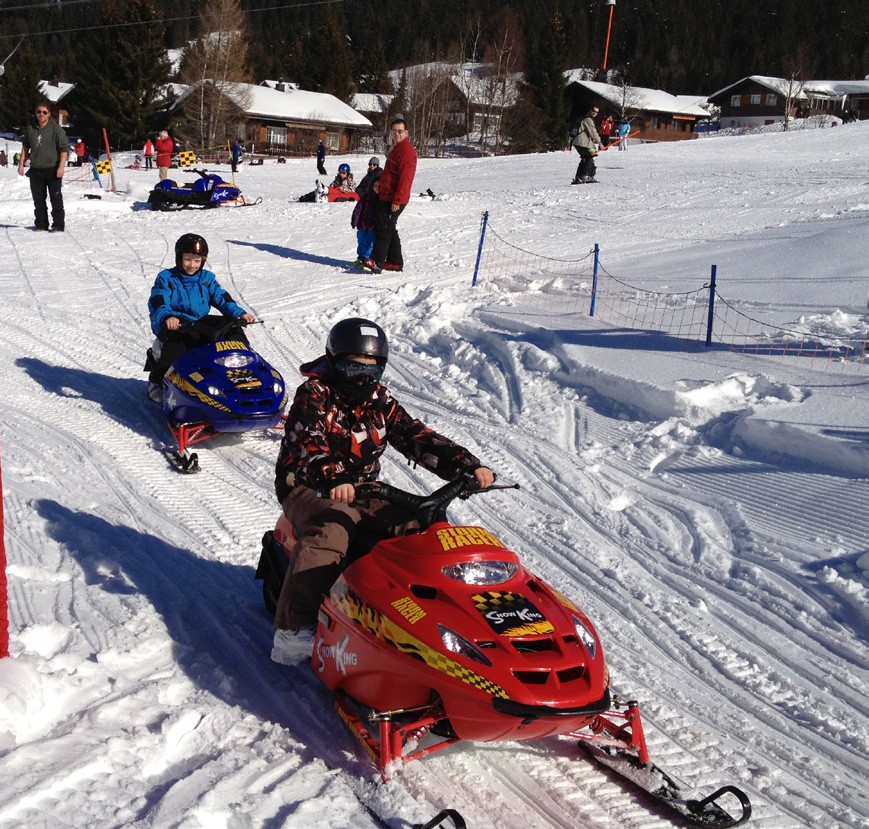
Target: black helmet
{"points": [[358, 336], [191, 243]]}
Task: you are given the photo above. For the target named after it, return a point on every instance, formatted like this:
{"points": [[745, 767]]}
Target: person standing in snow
{"points": [[46, 147], [340, 423], [185, 294], [587, 143], [364, 218], [165, 145], [81, 152], [395, 184], [624, 132], [606, 130], [237, 152], [148, 153], [321, 158]]}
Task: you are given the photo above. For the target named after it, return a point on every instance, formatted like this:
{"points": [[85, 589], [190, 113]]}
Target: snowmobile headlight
{"points": [[234, 360], [586, 636], [481, 572], [458, 644], [278, 388], [214, 391]]}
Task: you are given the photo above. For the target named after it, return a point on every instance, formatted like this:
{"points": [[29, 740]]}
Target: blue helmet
{"points": [[343, 168]]}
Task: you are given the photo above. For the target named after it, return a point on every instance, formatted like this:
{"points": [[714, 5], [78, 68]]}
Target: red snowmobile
{"points": [[442, 635]]}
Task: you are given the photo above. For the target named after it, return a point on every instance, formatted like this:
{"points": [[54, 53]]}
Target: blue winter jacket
{"points": [[175, 294]]}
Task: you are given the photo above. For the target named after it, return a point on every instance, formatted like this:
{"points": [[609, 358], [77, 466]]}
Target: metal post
{"points": [[594, 280], [711, 305], [606, 51], [483, 224]]}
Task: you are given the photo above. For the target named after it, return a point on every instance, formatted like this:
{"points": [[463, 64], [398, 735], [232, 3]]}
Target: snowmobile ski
{"points": [[186, 461], [653, 780]]}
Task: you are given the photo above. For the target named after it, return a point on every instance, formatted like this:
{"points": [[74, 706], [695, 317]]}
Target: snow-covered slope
{"points": [[706, 509]]}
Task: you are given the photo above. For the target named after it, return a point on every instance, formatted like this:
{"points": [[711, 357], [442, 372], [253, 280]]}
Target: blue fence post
{"points": [[483, 223], [594, 280], [711, 305]]}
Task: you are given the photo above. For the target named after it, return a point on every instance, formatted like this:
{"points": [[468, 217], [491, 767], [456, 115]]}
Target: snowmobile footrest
{"points": [[440, 817], [698, 807]]}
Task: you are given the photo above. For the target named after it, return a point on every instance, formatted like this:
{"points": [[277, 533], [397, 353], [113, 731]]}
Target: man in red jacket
{"points": [[395, 184], [165, 146]]}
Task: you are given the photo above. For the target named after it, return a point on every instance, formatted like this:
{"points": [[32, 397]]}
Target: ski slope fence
{"points": [[562, 287], [4, 596]]}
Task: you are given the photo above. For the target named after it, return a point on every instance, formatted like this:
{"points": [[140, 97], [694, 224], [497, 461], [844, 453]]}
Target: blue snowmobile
{"points": [[223, 386], [209, 190]]}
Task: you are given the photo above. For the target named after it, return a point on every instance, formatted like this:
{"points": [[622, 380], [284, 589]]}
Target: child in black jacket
{"points": [[363, 220]]}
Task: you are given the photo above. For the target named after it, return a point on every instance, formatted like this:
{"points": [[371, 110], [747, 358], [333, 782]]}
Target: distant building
{"points": [[657, 115], [375, 107], [280, 119], [758, 99], [468, 97], [55, 92]]}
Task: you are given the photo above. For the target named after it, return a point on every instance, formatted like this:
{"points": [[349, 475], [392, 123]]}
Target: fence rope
{"points": [[556, 287]]}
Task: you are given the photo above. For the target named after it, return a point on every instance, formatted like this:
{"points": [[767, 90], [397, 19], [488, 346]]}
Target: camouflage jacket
{"points": [[327, 443]]}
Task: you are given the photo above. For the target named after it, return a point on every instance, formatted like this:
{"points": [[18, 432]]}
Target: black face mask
{"points": [[354, 381]]}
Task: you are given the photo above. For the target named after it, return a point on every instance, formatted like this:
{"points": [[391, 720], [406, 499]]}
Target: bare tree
{"points": [[215, 64], [504, 57], [429, 104], [628, 99], [798, 67]]}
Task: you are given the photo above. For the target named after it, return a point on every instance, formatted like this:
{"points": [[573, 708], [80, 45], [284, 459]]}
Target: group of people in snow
{"points": [[342, 417], [589, 141], [341, 420], [383, 194]]}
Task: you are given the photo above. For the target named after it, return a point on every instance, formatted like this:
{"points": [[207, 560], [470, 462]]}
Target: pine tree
{"points": [[19, 88], [125, 93], [328, 64], [546, 81], [373, 71]]}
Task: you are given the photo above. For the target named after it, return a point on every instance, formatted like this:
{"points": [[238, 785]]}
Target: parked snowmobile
{"points": [[224, 386], [442, 635], [209, 190]]}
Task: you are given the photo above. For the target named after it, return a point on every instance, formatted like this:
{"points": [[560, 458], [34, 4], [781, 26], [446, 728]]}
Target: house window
{"points": [[735, 100], [276, 136], [332, 141], [771, 99], [755, 100]]}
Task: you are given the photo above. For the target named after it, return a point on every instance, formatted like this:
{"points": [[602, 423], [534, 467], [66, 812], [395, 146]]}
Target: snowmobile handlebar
{"points": [[431, 508], [219, 333]]}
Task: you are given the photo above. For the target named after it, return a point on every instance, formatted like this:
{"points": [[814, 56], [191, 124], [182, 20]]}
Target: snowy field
{"points": [[707, 509]]}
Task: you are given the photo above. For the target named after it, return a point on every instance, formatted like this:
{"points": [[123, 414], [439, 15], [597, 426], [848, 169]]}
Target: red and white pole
{"points": [[4, 600], [606, 51]]}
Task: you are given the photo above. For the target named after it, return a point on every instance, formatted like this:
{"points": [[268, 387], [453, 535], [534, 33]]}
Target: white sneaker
{"points": [[155, 392], [293, 647]]}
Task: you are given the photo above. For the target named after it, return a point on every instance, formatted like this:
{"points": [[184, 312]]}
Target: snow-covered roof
{"points": [[779, 85], [292, 105], [838, 87], [782, 87], [371, 102], [55, 90], [473, 80], [640, 98]]}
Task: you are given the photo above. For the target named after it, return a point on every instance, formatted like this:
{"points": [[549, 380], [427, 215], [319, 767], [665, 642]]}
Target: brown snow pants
{"points": [[325, 530]]}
